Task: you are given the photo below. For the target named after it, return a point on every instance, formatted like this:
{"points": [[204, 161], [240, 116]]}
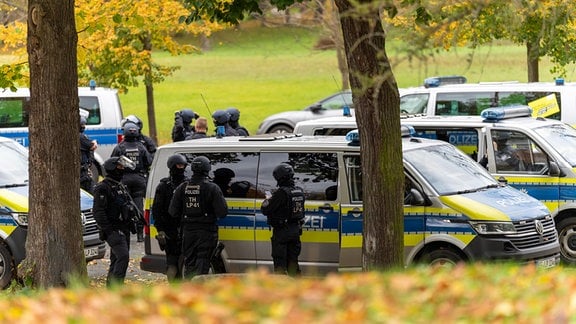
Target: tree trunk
{"points": [[150, 95], [377, 108], [54, 246], [533, 57]]}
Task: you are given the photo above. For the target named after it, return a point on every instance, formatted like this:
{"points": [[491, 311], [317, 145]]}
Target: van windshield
{"points": [[448, 170], [13, 165], [562, 138]]}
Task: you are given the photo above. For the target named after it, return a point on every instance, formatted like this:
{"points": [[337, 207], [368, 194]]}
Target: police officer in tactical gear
{"points": [[135, 180], [182, 124], [198, 203], [235, 121], [285, 212], [168, 227], [147, 141], [114, 213], [222, 118], [87, 147]]}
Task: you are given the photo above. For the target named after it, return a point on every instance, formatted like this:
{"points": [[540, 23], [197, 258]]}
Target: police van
{"points": [[100, 106], [554, 100], [454, 210], [14, 212], [544, 155]]}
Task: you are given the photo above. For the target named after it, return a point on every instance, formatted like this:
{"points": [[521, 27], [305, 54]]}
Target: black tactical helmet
{"points": [[201, 165], [110, 164], [234, 114], [176, 159], [221, 117], [283, 171], [187, 115], [132, 119], [130, 130]]}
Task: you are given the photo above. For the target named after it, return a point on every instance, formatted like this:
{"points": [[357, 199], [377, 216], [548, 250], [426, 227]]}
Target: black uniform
{"points": [[86, 160], [285, 212], [135, 180], [167, 224], [198, 203], [148, 144], [182, 127], [111, 205], [196, 135]]}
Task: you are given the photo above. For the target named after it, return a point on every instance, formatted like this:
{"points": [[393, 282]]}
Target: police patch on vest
{"points": [[296, 195], [134, 155], [193, 207]]}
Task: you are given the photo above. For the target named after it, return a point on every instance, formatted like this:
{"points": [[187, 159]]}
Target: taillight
{"points": [[120, 138], [147, 219]]}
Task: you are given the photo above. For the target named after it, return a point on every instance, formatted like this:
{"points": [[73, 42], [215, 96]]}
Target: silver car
{"points": [[284, 122]]}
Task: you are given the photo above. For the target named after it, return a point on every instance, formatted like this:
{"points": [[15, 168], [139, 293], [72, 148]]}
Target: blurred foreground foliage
{"points": [[464, 294]]}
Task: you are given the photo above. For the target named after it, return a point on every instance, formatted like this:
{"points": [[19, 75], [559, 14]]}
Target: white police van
{"points": [[100, 106], [545, 150], [554, 100], [455, 210]]}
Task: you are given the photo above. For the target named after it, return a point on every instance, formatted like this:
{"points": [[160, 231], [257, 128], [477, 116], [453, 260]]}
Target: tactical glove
{"points": [[161, 238]]}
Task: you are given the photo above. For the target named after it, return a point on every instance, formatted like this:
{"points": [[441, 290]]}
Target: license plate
{"points": [[547, 263], [90, 252]]}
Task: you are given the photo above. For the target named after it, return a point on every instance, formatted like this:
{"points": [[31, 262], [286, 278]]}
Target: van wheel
{"points": [[280, 129], [567, 237], [442, 258], [7, 268]]}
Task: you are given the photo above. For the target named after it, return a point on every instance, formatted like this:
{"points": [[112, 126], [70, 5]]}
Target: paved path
{"points": [[98, 269]]}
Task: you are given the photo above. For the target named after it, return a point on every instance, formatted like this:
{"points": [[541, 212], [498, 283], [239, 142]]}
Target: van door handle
{"points": [[326, 208]]}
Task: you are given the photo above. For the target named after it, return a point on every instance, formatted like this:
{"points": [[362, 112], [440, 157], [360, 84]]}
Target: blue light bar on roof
{"points": [[407, 131], [437, 81], [500, 113], [353, 138]]}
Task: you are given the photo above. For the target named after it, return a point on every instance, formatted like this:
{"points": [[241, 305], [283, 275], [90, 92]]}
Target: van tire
{"points": [[442, 258], [7, 268], [567, 237], [280, 129]]}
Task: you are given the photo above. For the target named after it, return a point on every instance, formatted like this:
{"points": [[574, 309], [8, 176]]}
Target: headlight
{"points": [[21, 218], [494, 227]]}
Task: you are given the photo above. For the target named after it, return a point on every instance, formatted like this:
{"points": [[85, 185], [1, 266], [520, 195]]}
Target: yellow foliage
{"points": [[466, 293]]}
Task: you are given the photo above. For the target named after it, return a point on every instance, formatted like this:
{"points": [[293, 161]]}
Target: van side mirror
{"points": [[415, 198], [554, 170], [316, 108]]}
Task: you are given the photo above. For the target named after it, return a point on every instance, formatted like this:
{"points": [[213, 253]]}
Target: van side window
{"points": [[354, 174], [316, 173], [516, 152], [464, 139], [91, 105], [14, 112], [532, 98], [233, 172], [414, 103], [333, 131], [464, 103]]}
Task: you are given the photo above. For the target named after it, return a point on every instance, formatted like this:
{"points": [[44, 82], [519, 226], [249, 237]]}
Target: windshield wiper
{"points": [[13, 185]]}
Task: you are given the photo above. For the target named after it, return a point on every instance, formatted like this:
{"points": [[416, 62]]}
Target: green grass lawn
{"points": [[262, 71]]}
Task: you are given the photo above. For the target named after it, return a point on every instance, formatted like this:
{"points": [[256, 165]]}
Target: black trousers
{"points": [[197, 247], [119, 243], [286, 247], [173, 251]]}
